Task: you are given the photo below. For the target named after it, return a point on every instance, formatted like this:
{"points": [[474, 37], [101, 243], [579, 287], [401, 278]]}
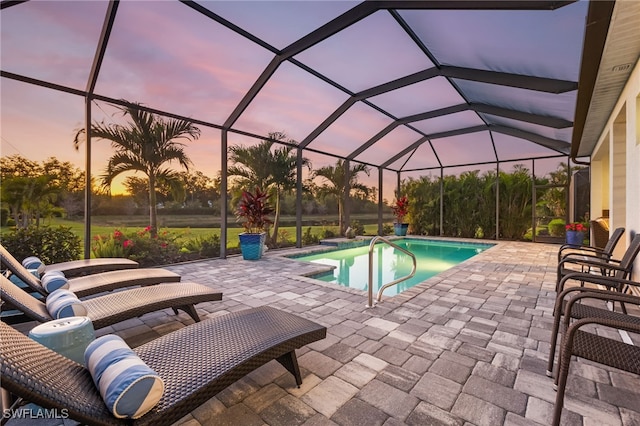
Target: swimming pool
{"points": [[432, 257]]}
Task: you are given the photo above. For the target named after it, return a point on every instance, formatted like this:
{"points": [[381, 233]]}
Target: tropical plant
{"points": [[145, 144], [400, 208], [335, 183], [267, 167], [253, 210]]}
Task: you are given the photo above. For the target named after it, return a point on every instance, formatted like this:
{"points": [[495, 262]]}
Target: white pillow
{"points": [[33, 262], [54, 280], [64, 303], [127, 385]]}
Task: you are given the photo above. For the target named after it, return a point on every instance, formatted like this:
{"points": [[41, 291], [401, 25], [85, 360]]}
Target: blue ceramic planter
{"points": [[400, 229], [251, 245], [575, 238]]}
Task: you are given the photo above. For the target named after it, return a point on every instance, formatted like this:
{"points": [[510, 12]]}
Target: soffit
{"points": [[620, 55]]}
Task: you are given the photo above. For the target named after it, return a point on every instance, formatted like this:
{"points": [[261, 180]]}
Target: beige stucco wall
{"points": [[615, 167]]}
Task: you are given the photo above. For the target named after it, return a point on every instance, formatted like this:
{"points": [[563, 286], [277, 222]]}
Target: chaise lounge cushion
{"points": [[33, 262], [54, 280], [127, 385], [64, 304]]}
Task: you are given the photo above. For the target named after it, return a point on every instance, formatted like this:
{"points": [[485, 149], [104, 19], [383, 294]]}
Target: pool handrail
{"points": [[373, 242]]}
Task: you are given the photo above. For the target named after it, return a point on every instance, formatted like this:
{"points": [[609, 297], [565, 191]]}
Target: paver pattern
{"points": [[467, 347]]}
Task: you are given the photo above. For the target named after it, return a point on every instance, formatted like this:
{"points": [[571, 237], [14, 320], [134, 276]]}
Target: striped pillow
{"points": [[54, 280], [64, 303], [33, 262], [127, 385]]}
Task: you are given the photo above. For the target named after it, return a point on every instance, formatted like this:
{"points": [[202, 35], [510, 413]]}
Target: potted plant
{"points": [[400, 210], [253, 210], [575, 233]]}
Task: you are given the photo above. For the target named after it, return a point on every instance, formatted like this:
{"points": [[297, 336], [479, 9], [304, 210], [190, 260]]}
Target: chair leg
{"points": [[561, 379], [190, 310], [290, 362], [557, 318]]}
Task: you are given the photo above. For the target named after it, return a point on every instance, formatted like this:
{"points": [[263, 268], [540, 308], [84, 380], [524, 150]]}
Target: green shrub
{"points": [[327, 233], [51, 245], [556, 228], [308, 238], [204, 247], [11, 222], [357, 227], [387, 229], [4, 216]]}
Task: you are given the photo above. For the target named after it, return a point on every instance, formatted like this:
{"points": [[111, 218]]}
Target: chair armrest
{"points": [[608, 281], [582, 255], [596, 263], [580, 250]]}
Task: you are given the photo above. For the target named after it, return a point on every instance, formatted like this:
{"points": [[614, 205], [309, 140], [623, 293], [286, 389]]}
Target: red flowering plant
{"points": [[575, 226], [400, 208], [253, 210], [139, 246]]}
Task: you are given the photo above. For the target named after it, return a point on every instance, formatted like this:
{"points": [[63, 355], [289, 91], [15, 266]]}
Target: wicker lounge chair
{"points": [[195, 362], [580, 311], [95, 283], [579, 340], [619, 268], [76, 268], [119, 305], [603, 252]]}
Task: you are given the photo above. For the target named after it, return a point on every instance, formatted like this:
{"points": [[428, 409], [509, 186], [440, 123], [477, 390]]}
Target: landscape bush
{"points": [[51, 245], [556, 227]]}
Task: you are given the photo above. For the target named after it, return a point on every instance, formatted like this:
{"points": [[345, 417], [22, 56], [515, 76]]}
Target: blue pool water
{"points": [[432, 257]]}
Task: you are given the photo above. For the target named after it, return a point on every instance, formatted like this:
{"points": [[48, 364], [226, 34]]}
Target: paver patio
{"points": [[467, 347]]}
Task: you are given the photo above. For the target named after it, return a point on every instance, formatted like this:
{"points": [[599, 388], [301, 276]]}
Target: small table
{"points": [[67, 336]]}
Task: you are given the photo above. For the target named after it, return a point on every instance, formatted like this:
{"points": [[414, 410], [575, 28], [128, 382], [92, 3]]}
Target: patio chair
{"points": [[195, 362], [76, 268], [95, 283], [619, 268], [581, 341], [603, 252], [579, 311], [118, 305]]}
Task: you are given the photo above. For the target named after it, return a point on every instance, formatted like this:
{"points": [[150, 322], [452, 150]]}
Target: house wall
{"points": [[615, 166]]}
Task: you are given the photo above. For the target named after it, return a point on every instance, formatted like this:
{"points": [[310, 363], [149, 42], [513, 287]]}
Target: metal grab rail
{"points": [[394, 282]]}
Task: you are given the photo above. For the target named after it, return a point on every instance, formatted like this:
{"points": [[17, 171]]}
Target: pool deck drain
{"points": [[467, 347]]}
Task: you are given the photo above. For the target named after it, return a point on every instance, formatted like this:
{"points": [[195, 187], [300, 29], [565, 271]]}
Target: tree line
{"points": [[150, 145]]}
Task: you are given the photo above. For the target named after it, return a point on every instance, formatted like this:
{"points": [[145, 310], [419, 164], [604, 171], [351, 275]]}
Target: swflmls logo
{"points": [[35, 413]]}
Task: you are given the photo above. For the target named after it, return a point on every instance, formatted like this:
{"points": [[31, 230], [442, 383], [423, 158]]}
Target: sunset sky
{"points": [[169, 57]]}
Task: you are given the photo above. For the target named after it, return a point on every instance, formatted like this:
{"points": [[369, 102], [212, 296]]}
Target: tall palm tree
{"points": [[272, 169], [145, 144], [336, 182]]}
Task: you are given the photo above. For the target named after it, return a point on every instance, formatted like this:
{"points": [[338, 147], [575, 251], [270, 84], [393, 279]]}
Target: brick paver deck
{"points": [[467, 347]]}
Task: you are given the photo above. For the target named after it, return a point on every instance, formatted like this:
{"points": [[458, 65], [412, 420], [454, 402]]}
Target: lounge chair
{"points": [[579, 311], [195, 362], [96, 283], [619, 268], [118, 305], [580, 340], [76, 268], [603, 252]]}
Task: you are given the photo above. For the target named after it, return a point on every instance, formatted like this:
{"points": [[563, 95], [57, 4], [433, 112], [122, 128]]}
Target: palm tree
{"points": [[273, 170], [335, 184], [144, 145]]}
